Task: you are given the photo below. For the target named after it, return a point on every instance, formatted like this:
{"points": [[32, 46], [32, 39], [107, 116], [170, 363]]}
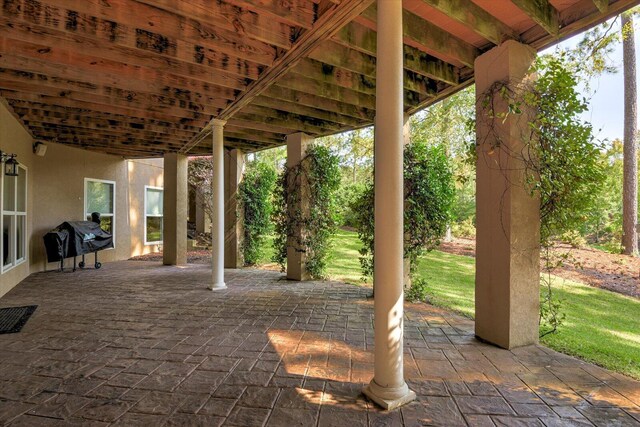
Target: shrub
{"points": [[418, 291], [428, 194], [255, 194]]}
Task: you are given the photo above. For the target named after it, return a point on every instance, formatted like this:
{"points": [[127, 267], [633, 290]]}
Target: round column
{"points": [[217, 193], [388, 388]]}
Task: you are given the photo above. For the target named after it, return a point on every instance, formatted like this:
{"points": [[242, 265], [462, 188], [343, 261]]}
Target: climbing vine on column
{"points": [[561, 158], [256, 194], [304, 200]]}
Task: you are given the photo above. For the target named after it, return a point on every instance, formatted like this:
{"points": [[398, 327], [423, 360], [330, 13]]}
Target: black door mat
{"points": [[12, 319]]}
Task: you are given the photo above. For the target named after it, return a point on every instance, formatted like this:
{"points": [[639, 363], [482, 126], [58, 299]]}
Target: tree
{"points": [[630, 180]]}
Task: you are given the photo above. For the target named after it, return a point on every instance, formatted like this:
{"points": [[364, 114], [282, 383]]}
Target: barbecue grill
{"points": [[73, 238]]}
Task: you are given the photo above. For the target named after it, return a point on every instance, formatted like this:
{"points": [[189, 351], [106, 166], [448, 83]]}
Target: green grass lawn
{"points": [[600, 326]]}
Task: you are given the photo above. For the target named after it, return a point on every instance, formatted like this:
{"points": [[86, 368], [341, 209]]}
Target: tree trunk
{"points": [[630, 162]]}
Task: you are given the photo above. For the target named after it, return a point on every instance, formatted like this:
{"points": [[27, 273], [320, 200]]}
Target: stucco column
{"points": [[233, 217], [297, 145], [388, 388], [217, 193], [174, 245], [507, 216], [203, 222]]}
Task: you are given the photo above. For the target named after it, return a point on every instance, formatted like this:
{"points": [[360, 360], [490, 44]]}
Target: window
{"points": [[13, 221], [153, 211], [100, 196]]}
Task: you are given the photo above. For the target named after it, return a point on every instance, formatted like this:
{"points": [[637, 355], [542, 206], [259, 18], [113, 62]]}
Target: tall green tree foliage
{"points": [[256, 194], [315, 180], [428, 194]]}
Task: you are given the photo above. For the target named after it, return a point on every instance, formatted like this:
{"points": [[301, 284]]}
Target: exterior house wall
{"points": [[55, 192], [14, 139], [146, 172]]}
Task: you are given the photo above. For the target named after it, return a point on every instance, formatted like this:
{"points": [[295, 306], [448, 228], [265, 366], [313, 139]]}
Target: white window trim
{"points": [[15, 213], [146, 242], [113, 215]]}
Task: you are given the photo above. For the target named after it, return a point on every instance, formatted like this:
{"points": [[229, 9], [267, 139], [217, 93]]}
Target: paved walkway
{"points": [[140, 344]]}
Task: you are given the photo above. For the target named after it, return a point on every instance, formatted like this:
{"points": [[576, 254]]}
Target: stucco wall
{"points": [[14, 139], [141, 173], [56, 194]]}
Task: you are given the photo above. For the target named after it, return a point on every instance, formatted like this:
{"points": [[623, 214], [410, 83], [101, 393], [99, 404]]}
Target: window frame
{"points": [[146, 241], [15, 261], [111, 215]]}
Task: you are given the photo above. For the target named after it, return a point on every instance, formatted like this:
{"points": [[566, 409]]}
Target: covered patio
{"points": [[147, 344], [138, 79]]}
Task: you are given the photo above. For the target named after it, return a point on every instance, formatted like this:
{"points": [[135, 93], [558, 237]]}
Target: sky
{"points": [[606, 105]]}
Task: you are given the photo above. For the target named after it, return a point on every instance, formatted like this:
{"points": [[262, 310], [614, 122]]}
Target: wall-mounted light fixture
{"points": [[10, 164]]}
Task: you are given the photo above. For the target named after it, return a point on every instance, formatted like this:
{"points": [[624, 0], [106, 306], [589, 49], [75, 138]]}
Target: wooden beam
{"points": [[196, 119], [328, 24], [476, 18], [292, 107], [294, 12], [314, 101], [602, 5], [326, 27], [429, 38], [219, 14], [184, 90], [542, 12], [363, 39], [117, 18]]}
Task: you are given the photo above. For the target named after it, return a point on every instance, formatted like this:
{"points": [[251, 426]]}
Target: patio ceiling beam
{"points": [[337, 64], [141, 20], [117, 133], [542, 12], [476, 18], [90, 106], [363, 39], [298, 108], [314, 101], [289, 122], [328, 24], [142, 102], [84, 140], [220, 14], [602, 5], [41, 42], [98, 123], [68, 113], [41, 70], [430, 38]]}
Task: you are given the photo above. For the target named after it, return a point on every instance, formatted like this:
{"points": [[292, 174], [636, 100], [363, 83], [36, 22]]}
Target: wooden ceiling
{"points": [[139, 78]]}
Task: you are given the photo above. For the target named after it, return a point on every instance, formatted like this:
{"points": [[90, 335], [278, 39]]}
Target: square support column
{"points": [[297, 145], [233, 216], [174, 246], [507, 216]]}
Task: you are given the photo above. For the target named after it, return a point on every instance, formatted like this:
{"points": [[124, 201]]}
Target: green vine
{"points": [[560, 157], [428, 196], [255, 194], [305, 201]]}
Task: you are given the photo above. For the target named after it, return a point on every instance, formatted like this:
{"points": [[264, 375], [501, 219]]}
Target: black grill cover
{"points": [[76, 238]]}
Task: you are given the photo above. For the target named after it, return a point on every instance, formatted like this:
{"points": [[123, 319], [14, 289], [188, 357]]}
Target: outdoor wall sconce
{"points": [[10, 164]]}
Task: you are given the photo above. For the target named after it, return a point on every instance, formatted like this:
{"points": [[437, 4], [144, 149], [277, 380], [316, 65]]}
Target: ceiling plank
{"points": [[602, 5], [476, 18], [314, 101], [218, 14], [357, 36], [328, 24], [426, 36], [120, 17], [542, 12]]}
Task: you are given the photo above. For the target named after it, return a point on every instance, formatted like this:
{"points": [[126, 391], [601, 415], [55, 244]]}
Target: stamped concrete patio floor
{"points": [[141, 344]]}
